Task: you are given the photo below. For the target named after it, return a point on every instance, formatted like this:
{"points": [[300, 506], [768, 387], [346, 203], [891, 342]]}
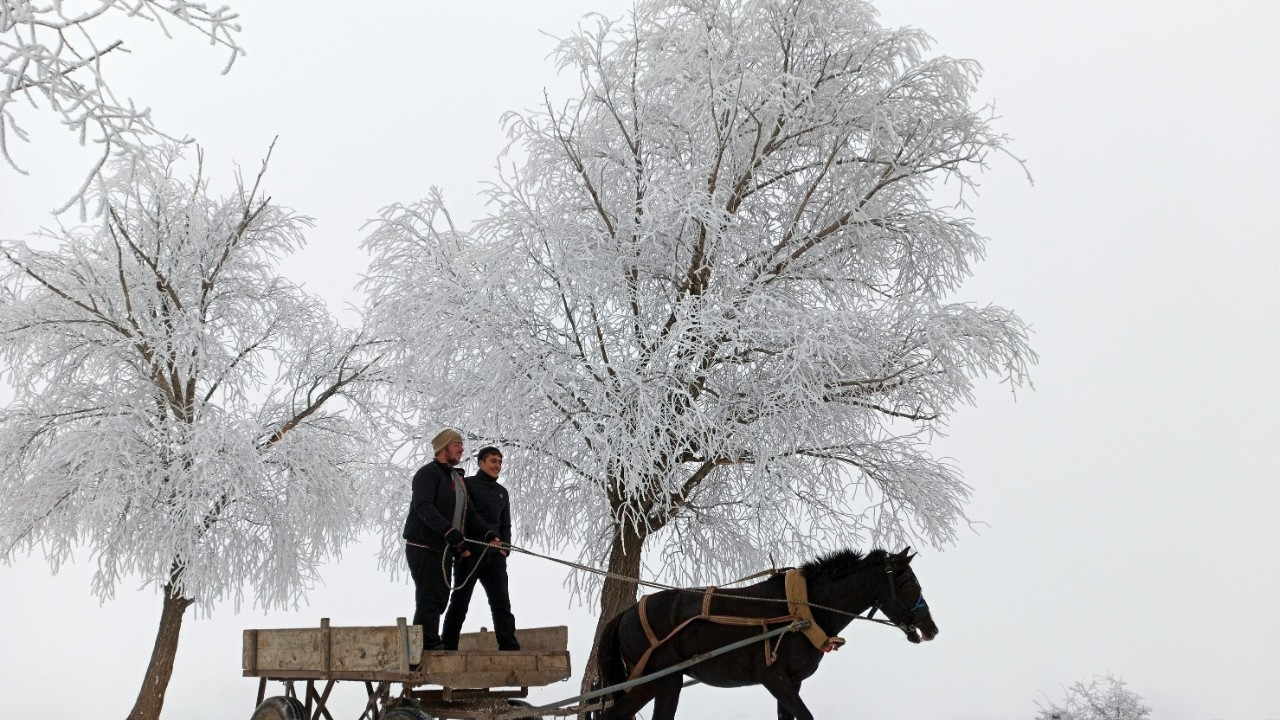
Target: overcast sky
{"points": [[1127, 504]]}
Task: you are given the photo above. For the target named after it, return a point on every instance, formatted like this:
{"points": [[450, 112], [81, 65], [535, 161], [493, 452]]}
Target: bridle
{"points": [[917, 612]]}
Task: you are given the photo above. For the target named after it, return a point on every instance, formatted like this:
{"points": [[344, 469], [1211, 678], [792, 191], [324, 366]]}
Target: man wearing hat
{"points": [[439, 520]]}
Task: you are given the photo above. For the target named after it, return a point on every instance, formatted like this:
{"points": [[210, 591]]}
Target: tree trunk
{"points": [[160, 670], [616, 595]]}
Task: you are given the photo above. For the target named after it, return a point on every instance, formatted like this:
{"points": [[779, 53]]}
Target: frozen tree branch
{"points": [[724, 315], [146, 425], [51, 58], [138, 364], [1101, 698]]}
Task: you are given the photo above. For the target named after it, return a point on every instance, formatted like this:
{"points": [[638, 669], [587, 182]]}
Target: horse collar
{"points": [[798, 606]]}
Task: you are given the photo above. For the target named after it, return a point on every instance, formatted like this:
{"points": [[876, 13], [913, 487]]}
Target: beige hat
{"points": [[446, 436]]}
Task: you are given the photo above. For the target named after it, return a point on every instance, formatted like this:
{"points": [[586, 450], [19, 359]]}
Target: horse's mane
{"points": [[839, 563], [835, 565]]}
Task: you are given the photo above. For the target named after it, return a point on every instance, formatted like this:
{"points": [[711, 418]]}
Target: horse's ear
{"points": [[906, 555]]}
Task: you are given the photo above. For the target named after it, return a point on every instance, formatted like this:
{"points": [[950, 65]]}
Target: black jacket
{"points": [[430, 515], [491, 502]]}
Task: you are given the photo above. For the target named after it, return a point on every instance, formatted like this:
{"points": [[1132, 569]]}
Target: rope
{"points": [[660, 586], [444, 570]]}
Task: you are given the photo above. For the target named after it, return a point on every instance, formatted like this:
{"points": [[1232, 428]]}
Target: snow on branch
{"points": [[709, 306], [1103, 697], [182, 411], [53, 55]]}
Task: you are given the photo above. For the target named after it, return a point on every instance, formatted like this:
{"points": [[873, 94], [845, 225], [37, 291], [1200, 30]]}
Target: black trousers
{"points": [[431, 590], [492, 575]]}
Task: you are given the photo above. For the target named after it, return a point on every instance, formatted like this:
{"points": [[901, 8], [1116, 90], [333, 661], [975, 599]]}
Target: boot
{"points": [[431, 633]]}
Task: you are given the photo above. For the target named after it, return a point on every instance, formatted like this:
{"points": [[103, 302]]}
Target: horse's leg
{"points": [[787, 693], [626, 707], [667, 696]]}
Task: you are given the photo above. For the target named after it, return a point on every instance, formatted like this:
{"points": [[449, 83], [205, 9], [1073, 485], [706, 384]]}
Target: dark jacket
{"points": [[490, 501], [430, 516]]}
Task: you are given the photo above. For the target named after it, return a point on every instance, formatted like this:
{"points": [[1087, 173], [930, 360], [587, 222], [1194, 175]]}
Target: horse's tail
{"points": [[609, 661]]}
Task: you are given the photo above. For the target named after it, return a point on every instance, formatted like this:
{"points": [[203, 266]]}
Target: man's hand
{"points": [[497, 543], [459, 543]]}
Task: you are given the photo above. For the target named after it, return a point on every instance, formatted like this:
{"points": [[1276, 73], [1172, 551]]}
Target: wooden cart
{"points": [[476, 682]]}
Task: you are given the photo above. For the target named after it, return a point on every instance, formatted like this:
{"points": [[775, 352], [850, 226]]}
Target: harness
{"points": [[917, 612], [797, 604]]}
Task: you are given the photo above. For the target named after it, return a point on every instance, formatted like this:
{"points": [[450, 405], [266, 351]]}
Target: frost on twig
{"points": [[1103, 697], [53, 57], [709, 308], [182, 411]]}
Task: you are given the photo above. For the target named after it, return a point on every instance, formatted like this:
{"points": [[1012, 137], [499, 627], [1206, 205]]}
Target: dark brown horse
{"points": [[841, 586]]}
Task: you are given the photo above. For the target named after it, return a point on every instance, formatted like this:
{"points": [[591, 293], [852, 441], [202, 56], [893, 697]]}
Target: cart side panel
{"points": [[288, 649], [541, 639], [350, 649], [373, 648], [479, 669]]}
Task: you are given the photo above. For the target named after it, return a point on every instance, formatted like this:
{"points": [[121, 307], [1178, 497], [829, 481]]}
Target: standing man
{"points": [[439, 515], [489, 567]]}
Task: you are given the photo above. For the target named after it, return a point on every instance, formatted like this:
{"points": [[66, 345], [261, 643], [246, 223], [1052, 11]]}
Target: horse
{"points": [[672, 626]]}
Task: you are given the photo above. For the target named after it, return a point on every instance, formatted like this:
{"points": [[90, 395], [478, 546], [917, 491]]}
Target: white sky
{"points": [[1128, 502]]}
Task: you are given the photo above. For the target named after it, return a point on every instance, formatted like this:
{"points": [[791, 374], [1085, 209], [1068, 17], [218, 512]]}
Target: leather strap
{"points": [[732, 620], [798, 605]]}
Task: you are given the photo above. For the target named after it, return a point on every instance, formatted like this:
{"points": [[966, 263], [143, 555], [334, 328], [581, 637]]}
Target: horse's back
{"points": [[667, 610]]}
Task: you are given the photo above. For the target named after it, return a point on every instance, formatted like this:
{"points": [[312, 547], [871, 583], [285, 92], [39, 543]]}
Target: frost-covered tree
{"points": [[1102, 698], [52, 55], [181, 411], [708, 309]]}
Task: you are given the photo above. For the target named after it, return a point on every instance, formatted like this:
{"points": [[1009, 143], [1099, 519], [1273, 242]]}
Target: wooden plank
{"points": [[442, 662], [551, 669], [288, 649], [402, 644], [551, 639], [326, 646], [497, 669], [506, 662], [555, 662], [463, 695], [379, 648], [378, 654], [322, 700], [348, 649], [249, 652], [513, 679], [366, 675]]}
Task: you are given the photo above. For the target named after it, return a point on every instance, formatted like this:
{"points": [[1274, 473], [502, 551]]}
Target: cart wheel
{"points": [[279, 708], [522, 704], [405, 713]]}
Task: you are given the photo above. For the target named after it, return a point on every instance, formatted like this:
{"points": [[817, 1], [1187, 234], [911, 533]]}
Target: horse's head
{"points": [[902, 599]]}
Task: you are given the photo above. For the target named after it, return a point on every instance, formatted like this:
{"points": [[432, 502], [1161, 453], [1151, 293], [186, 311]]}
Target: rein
{"points": [[444, 569], [659, 586]]}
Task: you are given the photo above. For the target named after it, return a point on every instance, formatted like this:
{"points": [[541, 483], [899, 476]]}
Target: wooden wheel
{"points": [[405, 713], [280, 708]]}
